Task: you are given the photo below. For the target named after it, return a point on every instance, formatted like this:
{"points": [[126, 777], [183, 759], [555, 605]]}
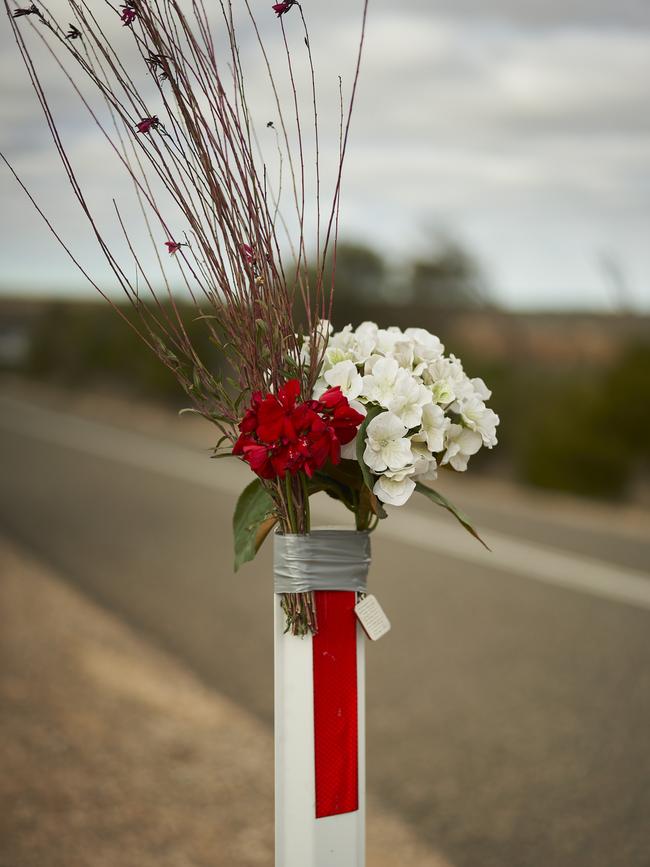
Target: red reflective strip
{"points": [[335, 704]]}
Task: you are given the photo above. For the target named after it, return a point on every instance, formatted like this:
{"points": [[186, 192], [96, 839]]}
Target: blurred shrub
{"points": [[592, 437], [624, 408], [448, 277], [88, 344], [361, 273], [445, 277], [565, 450]]}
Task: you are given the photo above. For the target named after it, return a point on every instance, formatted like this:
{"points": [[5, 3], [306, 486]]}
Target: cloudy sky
{"points": [[520, 127]]}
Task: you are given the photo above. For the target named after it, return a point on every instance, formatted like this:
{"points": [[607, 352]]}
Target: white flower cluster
{"points": [[426, 411]]}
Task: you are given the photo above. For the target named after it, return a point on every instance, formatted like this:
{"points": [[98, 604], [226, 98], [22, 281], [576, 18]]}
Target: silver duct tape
{"points": [[322, 560]]}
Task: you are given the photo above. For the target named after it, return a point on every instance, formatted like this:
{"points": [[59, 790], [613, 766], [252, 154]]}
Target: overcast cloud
{"points": [[523, 128]]}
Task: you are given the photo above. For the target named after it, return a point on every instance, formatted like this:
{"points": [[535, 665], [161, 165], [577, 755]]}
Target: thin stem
{"points": [[291, 511], [305, 502]]}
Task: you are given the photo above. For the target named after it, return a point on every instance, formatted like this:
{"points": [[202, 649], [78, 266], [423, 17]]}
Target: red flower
{"points": [[247, 253], [281, 8], [342, 417], [257, 456], [148, 123], [332, 398], [249, 423], [280, 435], [173, 247], [128, 14], [324, 445], [275, 413]]}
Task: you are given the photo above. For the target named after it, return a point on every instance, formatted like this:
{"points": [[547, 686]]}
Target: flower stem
{"points": [[362, 514], [291, 512], [305, 503], [300, 612]]}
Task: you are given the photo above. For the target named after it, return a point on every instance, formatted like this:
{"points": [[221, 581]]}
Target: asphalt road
{"points": [[508, 709]]}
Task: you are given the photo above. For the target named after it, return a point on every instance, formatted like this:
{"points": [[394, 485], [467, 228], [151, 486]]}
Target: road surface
{"points": [[508, 709]]}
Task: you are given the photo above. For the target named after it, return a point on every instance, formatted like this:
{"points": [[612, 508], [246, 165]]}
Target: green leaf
{"points": [[373, 412], [347, 472], [253, 512], [368, 477], [368, 501], [439, 500], [322, 482]]}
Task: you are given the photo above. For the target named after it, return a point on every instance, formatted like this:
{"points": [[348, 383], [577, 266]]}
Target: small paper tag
{"points": [[372, 618]]}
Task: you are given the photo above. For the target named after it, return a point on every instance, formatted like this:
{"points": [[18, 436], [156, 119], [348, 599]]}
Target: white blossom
{"points": [[461, 443], [394, 488], [340, 347], [463, 390], [387, 446], [334, 355], [367, 331], [410, 396], [370, 362], [434, 425], [443, 391], [344, 338], [480, 388], [403, 353], [386, 339], [446, 378], [425, 466], [477, 417], [347, 377], [426, 347], [379, 386], [365, 340]]}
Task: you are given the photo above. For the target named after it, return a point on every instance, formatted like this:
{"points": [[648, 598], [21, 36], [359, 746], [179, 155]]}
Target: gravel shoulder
{"points": [[113, 753]]}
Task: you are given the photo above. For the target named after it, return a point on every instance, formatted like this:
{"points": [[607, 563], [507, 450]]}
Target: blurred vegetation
{"points": [[591, 434], [86, 344], [567, 423], [446, 277]]}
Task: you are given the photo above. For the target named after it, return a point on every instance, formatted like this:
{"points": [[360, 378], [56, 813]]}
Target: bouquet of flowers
{"points": [[367, 415], [387, 410]]}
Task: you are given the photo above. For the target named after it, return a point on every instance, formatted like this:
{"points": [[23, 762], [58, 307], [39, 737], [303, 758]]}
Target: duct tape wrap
{"points": [[321, 560]]}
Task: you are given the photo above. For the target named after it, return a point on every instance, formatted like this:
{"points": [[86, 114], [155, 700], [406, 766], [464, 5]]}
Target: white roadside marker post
{"points": [[320, 803], [302, 840]]}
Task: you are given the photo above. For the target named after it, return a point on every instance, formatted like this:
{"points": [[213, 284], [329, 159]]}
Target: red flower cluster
{"points": [[280, 435], [247, 253], [148, 123], [128, 13], [282, 8]]}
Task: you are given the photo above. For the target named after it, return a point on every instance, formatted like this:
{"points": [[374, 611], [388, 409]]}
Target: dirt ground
{"points": [[112, 754]]}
